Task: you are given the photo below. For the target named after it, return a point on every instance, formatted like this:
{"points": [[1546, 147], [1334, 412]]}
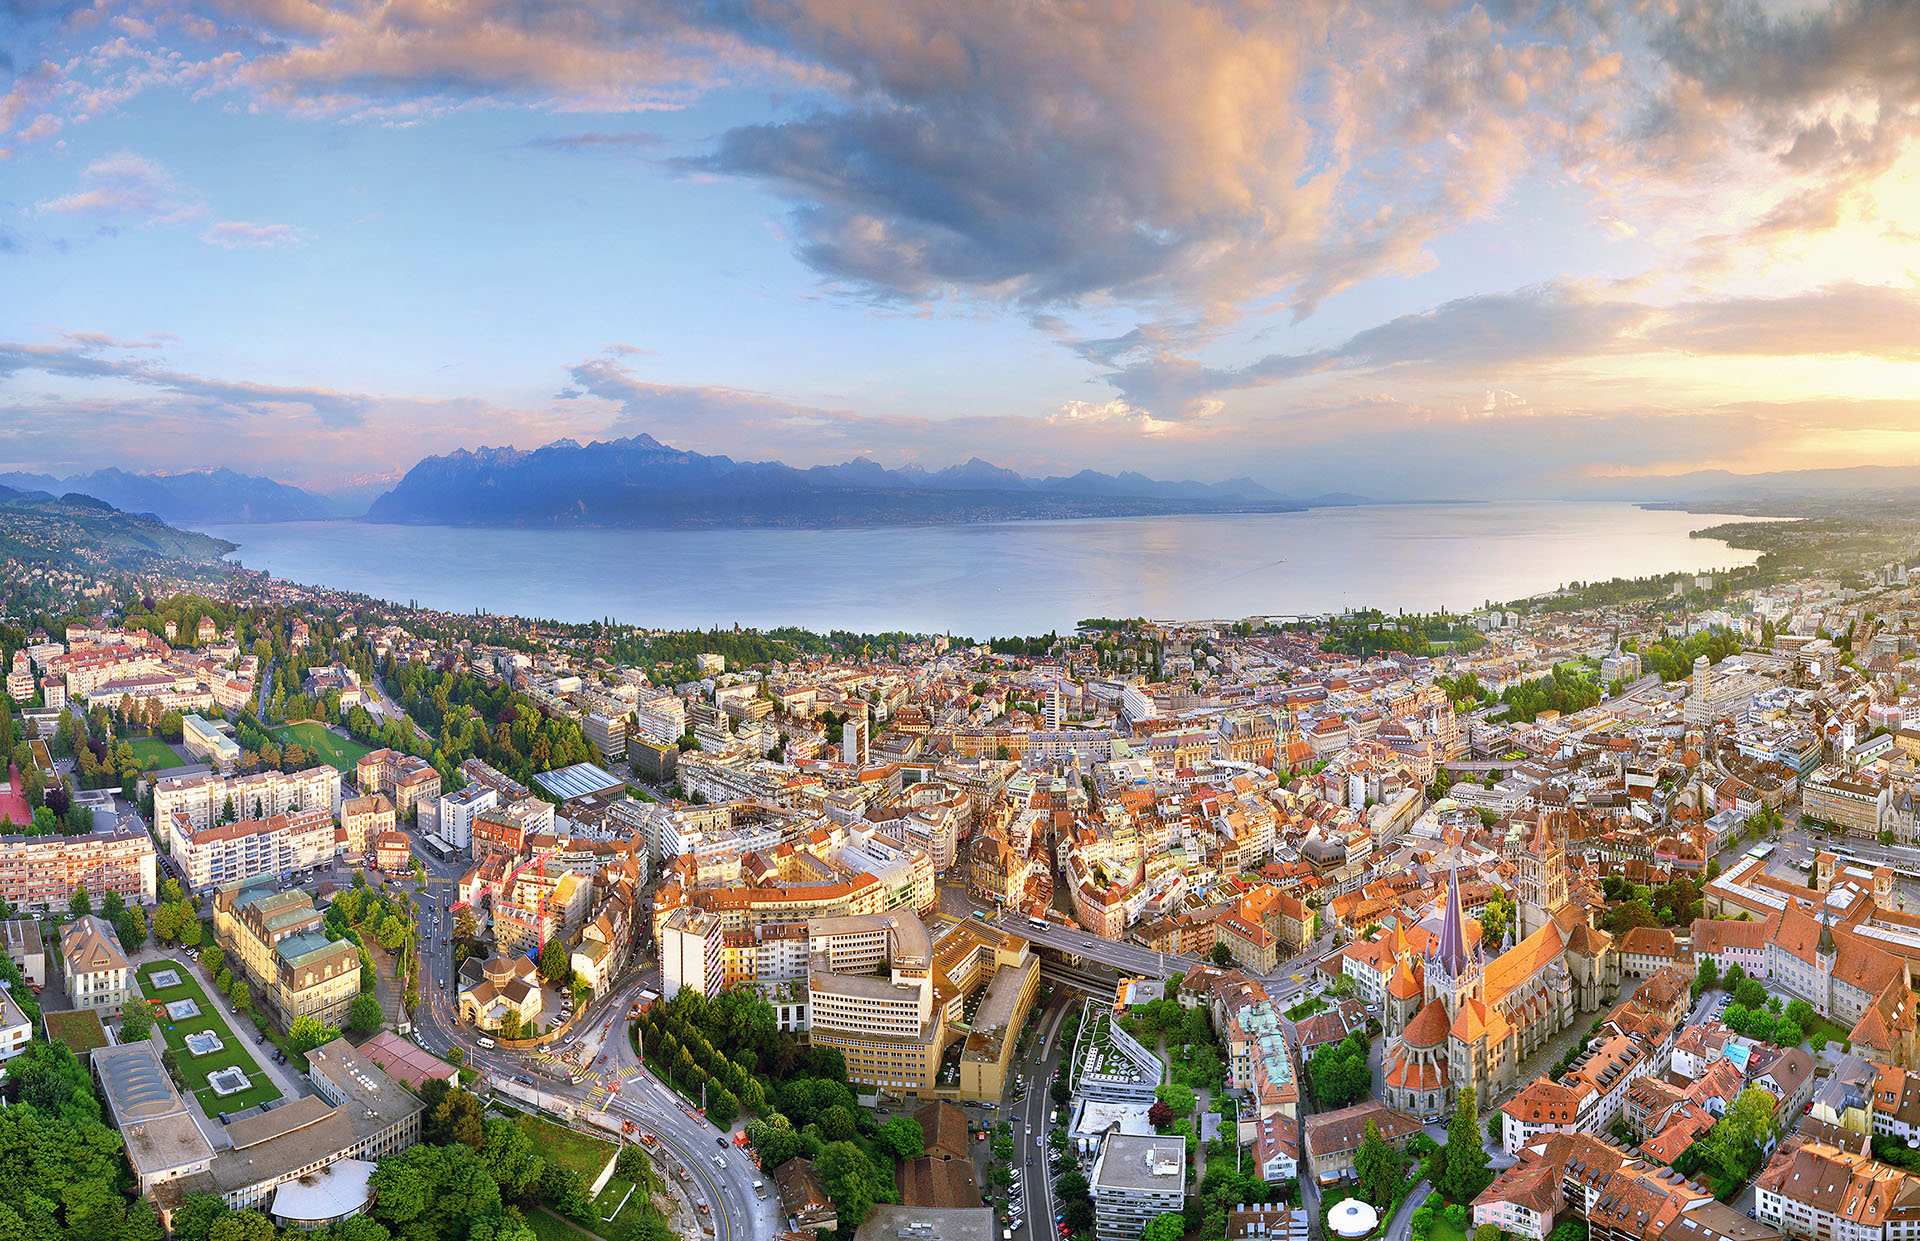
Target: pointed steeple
{"points": [[1451, 953], [1825, 947]]}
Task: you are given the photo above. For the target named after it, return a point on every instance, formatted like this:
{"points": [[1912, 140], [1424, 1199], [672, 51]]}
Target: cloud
{"points": [[217, 401], [241, 234], [1843, 319], [592, 141], [124, 184]]}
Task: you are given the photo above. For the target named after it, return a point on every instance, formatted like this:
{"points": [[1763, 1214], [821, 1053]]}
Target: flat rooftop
{"points": [[1156, 1164], [886, 1222]]}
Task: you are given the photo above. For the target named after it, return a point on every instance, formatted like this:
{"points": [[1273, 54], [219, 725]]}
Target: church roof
{"points": [[1451, 951]]}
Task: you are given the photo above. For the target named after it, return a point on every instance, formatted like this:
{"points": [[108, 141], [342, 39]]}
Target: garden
{"points": [[197, 1071]]}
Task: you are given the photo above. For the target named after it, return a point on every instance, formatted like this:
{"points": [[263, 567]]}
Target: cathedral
{"points": [[1455, 1017]]}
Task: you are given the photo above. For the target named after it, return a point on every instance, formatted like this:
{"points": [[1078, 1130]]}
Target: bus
{"points": [[1038, 923]]}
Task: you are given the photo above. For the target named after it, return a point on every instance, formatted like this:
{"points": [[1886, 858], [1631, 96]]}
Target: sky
{"points": [[1397, 248]]}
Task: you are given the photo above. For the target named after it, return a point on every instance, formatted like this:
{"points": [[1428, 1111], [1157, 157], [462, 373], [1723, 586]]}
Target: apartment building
{"points": [[206, 799], [271, 848], [38, 874], [1817, 1191], [97, 972], [26, 949], [277, 941], [691, 953], [1134, 1179], [607, 734], [457, 812], [15, 1030], [402, 777], [365, 820]]}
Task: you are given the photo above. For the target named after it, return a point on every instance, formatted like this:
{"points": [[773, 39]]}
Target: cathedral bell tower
{"points": [[1455, 973]]}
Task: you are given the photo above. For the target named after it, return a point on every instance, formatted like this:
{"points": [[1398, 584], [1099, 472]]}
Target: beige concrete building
{"points": [[275, 940]]}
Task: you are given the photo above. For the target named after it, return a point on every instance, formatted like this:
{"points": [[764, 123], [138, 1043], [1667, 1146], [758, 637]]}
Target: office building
{"points": [[277, 942], [204, 740], [1135, 1179]]}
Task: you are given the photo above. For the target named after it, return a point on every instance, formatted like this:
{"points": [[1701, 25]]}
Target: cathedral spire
{"points": [[1451, 954]]}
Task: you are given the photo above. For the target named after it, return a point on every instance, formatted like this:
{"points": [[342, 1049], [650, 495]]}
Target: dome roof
{"points": [[498, 969]]}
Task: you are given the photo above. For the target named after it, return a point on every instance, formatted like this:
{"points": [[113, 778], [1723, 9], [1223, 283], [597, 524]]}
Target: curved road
{"points": [[722, 1174]]}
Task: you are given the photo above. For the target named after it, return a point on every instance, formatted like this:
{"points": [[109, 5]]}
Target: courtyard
{"points": [[215, 1065]]}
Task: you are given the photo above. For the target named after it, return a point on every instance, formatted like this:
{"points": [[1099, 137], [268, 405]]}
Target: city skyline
{"points": [[1382, 248]]}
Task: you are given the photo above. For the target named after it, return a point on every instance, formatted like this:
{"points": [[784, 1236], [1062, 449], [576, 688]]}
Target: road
{"points": [[266, 683]]}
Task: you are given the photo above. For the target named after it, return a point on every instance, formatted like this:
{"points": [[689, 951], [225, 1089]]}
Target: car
{"points": [[1086, 943], [718, 1162], [721, 1143]]}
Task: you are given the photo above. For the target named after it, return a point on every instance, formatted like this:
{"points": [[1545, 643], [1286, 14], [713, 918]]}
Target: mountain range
{"points": [[640, 482], [208, 497]]}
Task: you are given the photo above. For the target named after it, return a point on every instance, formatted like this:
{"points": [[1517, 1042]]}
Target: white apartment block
{"points": [[457, 811], [276, 847], [203, 798]]}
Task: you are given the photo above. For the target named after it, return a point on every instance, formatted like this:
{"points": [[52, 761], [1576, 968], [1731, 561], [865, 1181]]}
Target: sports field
{"points": [[155, 754], [334, 750]]}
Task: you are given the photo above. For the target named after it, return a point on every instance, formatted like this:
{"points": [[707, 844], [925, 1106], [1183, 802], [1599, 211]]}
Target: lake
{"points": [[1004, 578]]}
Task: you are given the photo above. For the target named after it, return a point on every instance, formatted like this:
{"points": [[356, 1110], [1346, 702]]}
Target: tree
{"points": [[392, 932], [1379, 1167], [112, 905], [241, 1226], [1178, 1098], [1751, 993], [212, 958], [80, 904], [1159, 1115], [1732, 979], [556, 963], [562, 1189], [1171, 1226], [1061, 1091], [189, 931], [1707, 977], [1487, 1232], [850, 1180], [365, 1015], [837, 1125], [512, 1160], [1222, 955], [1735, 1143], [451, 1115], [307, 1033], [1571, 1230], [431, 1193], [193, 1218], [132, 925], [902, 1135], [1467, 1171], [136, 1021], [510, 1024]]}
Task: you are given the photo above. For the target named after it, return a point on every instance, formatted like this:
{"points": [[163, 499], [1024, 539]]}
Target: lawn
{"points": [[1835, 1035], [1443, 1231], [78, 1028], [154, 754], [570, 1148], [334, 750], [550, 1227], [1305, 1009], [194, 1069]]}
